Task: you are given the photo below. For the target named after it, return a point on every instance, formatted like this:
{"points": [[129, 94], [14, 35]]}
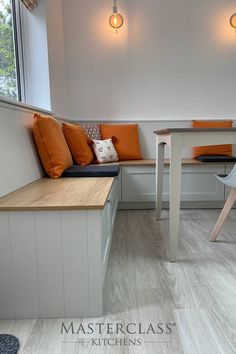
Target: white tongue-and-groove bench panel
{"points": [[53, 262], [198, 183]]}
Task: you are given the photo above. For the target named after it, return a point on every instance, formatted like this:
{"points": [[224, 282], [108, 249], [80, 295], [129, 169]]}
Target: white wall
{"points": [[56, 56], [148, 139], [171, 60], [19, 163]]}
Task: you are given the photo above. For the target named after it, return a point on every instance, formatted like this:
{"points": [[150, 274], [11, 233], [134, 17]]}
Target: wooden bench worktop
{"points": [[59, 194], [186, 161], [151, 162], [191, 130]]}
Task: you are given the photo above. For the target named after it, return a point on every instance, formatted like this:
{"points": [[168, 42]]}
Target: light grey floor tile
{"points": [[197, 294]]}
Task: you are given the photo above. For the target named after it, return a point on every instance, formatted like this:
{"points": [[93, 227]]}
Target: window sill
{"points": [[21, 106]]}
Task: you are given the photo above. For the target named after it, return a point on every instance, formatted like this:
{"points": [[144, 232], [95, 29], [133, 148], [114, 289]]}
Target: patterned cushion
{"points": [[105, 151], [93, 131]]}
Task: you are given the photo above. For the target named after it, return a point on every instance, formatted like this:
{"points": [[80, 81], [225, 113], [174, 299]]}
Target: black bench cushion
{"points": [[216, 158], [92, 171]]}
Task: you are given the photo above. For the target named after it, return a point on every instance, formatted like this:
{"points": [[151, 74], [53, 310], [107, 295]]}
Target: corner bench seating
{"points": [[61, 194], [56, 235]]}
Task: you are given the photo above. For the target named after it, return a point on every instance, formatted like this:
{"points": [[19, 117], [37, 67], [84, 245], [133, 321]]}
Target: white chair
{"points": [[229, 181]]}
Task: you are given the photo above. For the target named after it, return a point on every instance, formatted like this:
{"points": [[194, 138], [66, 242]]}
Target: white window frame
{"points": [[27, 28], [18, 46], [18, 53]]}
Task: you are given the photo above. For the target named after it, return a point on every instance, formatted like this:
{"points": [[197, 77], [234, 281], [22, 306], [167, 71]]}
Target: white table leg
{"points": [[160, 151], [175, 190]]}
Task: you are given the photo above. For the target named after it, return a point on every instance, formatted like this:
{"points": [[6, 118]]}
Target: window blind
{"points": [[29, 4]]}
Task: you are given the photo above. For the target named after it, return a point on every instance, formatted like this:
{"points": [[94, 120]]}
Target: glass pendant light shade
{"points": [[233, 21], [116, 20]]}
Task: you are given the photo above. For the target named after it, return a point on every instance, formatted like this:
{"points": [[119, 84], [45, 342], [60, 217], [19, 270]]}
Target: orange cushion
{"points": [[51, 145], [213, 149], [126, 140], [77, 141]]}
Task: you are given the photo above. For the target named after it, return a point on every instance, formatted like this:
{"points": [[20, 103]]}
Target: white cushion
{"points": [[105, 151]]}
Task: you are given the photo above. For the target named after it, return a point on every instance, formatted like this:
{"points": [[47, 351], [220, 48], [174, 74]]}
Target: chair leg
{"points": [[223, 216]]}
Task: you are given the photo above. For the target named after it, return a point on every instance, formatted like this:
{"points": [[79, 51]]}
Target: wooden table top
{"points": [[59, 194], [192, 130]]}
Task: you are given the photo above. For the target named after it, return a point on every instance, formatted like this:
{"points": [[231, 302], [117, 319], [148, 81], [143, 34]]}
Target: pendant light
{"points": [[116, 20], [233, 21]]}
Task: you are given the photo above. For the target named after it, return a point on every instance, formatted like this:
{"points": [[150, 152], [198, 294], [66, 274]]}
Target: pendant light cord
{"points": [[115, 6]]}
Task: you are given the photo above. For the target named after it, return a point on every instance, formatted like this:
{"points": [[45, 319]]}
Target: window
{"points": [[9, 51]]}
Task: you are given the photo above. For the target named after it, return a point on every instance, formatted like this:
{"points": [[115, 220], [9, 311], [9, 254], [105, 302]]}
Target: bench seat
{"points": [[151, 162], [55, 237], [60, 194], [199, 189], [71, 193]]}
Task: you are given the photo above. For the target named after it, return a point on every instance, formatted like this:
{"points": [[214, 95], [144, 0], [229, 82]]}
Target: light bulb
{"points": [[116, 20], [233, 21]]}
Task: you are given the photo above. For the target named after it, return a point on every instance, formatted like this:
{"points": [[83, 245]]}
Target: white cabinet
{"points": [[198, 183], [113, 200], [138, 183], [105, 234], [53, 263], [108, 222]]}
